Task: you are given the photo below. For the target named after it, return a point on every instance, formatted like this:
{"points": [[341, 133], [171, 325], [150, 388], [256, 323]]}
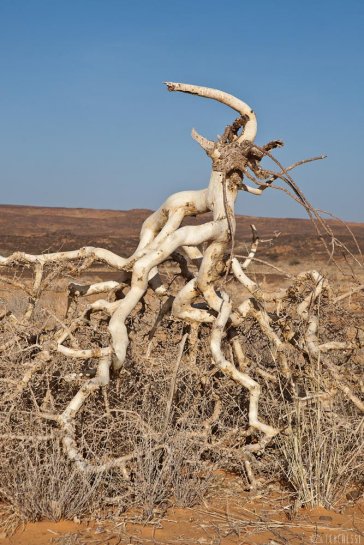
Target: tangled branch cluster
{"points": [[221, 366]]}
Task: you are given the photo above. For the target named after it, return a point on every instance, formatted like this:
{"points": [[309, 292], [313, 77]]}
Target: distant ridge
{"points": [[36, 229]]}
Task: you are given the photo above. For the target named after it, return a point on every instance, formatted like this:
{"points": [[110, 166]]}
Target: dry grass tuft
{"points": [[38, 482]]}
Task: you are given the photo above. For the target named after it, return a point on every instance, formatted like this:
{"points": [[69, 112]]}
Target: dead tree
{"points": [[205, 254]]}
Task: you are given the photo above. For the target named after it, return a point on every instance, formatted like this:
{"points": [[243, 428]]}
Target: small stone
{"points": [[325, 517], [76, 520]]}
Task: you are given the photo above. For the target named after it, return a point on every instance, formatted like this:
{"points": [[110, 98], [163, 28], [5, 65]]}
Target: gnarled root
{"points": [[96, 332], [240, 377]]}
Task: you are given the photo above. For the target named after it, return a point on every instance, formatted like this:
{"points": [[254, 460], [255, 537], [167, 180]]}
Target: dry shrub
{"points": [[172, 475], [192, 477], [37, 479], [322, 455], [38, 482], [320, 450], [174, 455], [319, 454]]}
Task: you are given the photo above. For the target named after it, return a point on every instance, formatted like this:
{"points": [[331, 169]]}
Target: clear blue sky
{"points": [[86, 121]]}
